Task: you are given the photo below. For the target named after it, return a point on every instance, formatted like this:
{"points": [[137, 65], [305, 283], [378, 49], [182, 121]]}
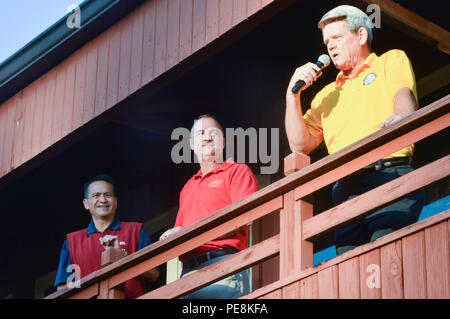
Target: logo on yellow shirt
{"points": [[215, 183], [369, 78]]}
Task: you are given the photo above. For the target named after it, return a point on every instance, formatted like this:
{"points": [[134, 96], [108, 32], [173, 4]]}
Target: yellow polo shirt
{"points": [[350, 109]]}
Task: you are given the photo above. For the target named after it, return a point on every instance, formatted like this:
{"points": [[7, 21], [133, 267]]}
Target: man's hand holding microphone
{"points": [[305, 75]]}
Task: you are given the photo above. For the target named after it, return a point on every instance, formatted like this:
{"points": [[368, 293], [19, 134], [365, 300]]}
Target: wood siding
{"points": [[411, 266], [143, 45]]}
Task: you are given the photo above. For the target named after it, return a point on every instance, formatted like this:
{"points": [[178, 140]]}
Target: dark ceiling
{"points": [[243, 85]]}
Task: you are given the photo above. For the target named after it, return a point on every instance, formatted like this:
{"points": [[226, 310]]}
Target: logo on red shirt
{"points": [[215, 183]]}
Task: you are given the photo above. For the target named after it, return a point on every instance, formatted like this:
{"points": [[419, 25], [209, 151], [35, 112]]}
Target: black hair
{"points": [[99, 177]]}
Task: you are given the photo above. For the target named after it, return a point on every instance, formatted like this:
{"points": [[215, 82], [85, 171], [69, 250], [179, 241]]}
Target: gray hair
{"points": [[354, 18]]}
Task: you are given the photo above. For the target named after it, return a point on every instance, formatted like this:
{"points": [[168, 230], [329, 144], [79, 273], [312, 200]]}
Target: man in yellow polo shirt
{"points": [[370, 92]]}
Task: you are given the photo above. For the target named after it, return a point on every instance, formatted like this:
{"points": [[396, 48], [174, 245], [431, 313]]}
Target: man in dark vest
{"points": [[81, 251]]}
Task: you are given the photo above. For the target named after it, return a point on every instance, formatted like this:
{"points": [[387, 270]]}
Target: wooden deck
{"points": [[412, 262]]}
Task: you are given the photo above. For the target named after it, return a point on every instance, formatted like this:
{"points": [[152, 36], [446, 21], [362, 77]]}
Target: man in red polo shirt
{"points": [[215, 186]]}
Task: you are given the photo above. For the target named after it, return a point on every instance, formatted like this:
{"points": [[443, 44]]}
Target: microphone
{"points": [[322, 62]]}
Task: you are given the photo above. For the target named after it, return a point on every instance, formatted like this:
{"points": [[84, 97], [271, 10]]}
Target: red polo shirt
{"points": [[205, 195]]}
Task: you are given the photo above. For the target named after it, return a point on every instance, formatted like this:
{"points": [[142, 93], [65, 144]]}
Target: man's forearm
{"points": [[297, 133], [404, 102]]}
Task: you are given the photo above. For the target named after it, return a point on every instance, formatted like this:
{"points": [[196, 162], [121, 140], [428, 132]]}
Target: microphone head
{"points": [[325, 60]]}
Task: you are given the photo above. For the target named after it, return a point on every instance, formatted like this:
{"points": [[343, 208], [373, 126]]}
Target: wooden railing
{"points": [[289, 196]]}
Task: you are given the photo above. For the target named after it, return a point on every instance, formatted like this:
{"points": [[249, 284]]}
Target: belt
{"points": [[384, 163], [195, 261]]}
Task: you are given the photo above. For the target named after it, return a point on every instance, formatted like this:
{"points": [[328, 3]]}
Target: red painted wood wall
{"points": [[415, 266], [127, 56]]}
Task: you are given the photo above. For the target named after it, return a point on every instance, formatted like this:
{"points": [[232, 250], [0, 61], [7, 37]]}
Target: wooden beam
{"points": [[224, 228], [218, 270], [381, 196], [421, 25], [433, 81]]}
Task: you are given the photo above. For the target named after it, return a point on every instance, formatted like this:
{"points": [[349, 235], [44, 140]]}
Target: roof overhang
{"points": [[59, 41]]}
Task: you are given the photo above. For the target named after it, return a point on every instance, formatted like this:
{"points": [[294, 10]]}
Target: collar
{"points": [[341, 78], [115, 225], [229, 162]]}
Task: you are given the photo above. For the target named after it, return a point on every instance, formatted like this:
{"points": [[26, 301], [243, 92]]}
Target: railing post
{"points": [[109, 256], [295, 253]]}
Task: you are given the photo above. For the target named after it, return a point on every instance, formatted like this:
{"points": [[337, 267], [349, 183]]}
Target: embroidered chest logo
{"points": [[369, 78], [216, 183]]}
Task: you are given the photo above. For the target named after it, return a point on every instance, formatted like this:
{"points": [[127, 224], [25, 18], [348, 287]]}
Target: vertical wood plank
{"points": [[60, 88], [186, 25], [125, 57], [328, 285], [239, 11], [113, 66], [69, 95], [91, 82], [212, 20], [349, 279], [137, 39], [49, 110], [103, 290], [291, 291], [295, 253], [30, 98], [199, 25], [41, 84], [18, 128], [414, 274], [173, 33], [3, 117], [391, 271], [102, 73], [266, 2], [370, 275], [80, 88], [276, 294], [148, 51], [288, 237], [253, 6], [309, 287], [437, 261], [226, 16], [10, 107], [160, 38]]}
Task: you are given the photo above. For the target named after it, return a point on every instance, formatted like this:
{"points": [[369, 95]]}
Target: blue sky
{"points": [[23, 20]]}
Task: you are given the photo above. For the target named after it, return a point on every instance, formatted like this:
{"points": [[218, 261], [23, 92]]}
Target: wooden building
{"points": [[107, 96]]}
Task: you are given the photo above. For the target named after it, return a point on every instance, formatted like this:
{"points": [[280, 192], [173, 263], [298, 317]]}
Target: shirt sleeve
{"points": [[180, 213], [399, 73], [64, 262], [242, 183], [313, 119], [144, 239]]}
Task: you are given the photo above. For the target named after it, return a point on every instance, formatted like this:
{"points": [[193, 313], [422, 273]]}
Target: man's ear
{"points": [[85, 203], [191, 143], [363, 36]]}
